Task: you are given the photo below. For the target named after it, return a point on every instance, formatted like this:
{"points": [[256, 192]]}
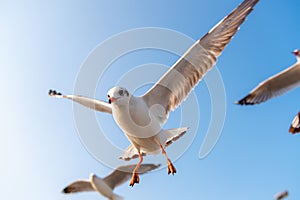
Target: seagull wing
{"points": [[274, 86], [295, 125], [124, 173], [184, 75], [281, 195], [79, 186], [85, 101]]}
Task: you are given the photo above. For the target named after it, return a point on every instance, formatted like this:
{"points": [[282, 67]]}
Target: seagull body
{"points": [[140, 123], [105, 186], [276, 85], [141, 118]]}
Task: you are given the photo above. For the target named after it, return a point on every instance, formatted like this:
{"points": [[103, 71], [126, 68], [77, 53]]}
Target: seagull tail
{"points": [[174, 134], [116, 197], [131, 153]]}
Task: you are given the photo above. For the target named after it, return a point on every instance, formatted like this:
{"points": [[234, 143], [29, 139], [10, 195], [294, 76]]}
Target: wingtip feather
{"points": [[66, 190], [294, 127], [54, 93], [292, 130], [245, 101]]}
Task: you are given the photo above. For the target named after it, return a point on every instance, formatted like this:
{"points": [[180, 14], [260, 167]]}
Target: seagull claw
{"points": [[135, 179], [171, 168]]}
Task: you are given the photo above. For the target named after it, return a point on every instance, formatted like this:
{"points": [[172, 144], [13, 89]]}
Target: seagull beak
{"points": [[295, 53], [111, 100]]}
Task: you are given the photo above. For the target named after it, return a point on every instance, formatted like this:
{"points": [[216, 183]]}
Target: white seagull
{"points": [[276, 85], [106, 185], [141, 118]]}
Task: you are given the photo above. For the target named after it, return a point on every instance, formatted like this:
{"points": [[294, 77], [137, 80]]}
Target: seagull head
{"points": [[296, 52], [118, 95], [92, 176]]}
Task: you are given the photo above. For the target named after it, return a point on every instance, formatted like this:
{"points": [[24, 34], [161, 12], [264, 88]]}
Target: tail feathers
{"points": [[174, 134], [131, 153], [171, 136], [116, 197]]}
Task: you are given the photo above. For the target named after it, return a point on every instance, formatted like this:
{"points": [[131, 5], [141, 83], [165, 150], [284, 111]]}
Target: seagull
{"points": [[276, 85], [281, 195], [295, 126], [106, 185], [141, 118]]}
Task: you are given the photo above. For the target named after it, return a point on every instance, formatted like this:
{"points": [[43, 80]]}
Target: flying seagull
{"points": [[106, 185], [276, 85], [141, 118], [281, 195], [295, 126]]}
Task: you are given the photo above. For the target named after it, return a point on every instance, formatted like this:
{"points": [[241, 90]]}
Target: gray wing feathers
{"points": [[274, 86], [85, 101], [78, 186], [178, 82]]}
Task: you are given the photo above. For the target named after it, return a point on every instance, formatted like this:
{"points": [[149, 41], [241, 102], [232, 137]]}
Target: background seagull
{"points": [[106, 185], [295, 126], [281, 195], [275, 85], [141, 118]]}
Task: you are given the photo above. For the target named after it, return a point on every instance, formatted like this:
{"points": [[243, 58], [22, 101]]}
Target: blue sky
{"points": [[43, 45]]}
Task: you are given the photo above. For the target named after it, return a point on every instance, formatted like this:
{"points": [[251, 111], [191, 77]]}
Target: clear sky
{"points": [[43, 45]]}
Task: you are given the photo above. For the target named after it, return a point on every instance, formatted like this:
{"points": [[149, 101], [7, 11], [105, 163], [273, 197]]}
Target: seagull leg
{"points": [[135, 177], [171, 168]]}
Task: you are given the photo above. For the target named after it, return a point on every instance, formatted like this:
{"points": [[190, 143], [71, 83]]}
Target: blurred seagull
{"points": [[141, 118], [105, 186], [295, 126], [281, 195], [276, 85]]}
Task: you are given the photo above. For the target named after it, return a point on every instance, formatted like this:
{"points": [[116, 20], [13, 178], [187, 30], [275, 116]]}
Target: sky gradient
{"points": [[44, 44]]}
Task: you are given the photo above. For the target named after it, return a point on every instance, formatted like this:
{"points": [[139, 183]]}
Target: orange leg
{"points": [[135, 177], [171, 168]]}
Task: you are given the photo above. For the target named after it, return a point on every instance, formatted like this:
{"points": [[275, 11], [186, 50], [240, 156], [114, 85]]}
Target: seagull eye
{"points": [[121, 92], [127, 93], [108, 96]]}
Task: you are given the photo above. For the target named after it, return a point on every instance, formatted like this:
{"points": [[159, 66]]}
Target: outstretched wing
{"points": [[85, 101], [274, 86], [79, 186], [185, 74], [124, 173]]}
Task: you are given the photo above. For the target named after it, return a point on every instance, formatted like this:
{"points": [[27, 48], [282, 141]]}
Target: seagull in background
{"points": [[276, 85], [141, 118], [295, 126], [281, 195], [106, 185]]}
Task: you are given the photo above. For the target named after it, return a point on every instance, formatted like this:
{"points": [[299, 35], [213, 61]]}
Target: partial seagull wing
{"points": [[87, 102], [79, 186], [124, 173], [274, 86], [185, 74], [281, 195], [295, 126]]}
